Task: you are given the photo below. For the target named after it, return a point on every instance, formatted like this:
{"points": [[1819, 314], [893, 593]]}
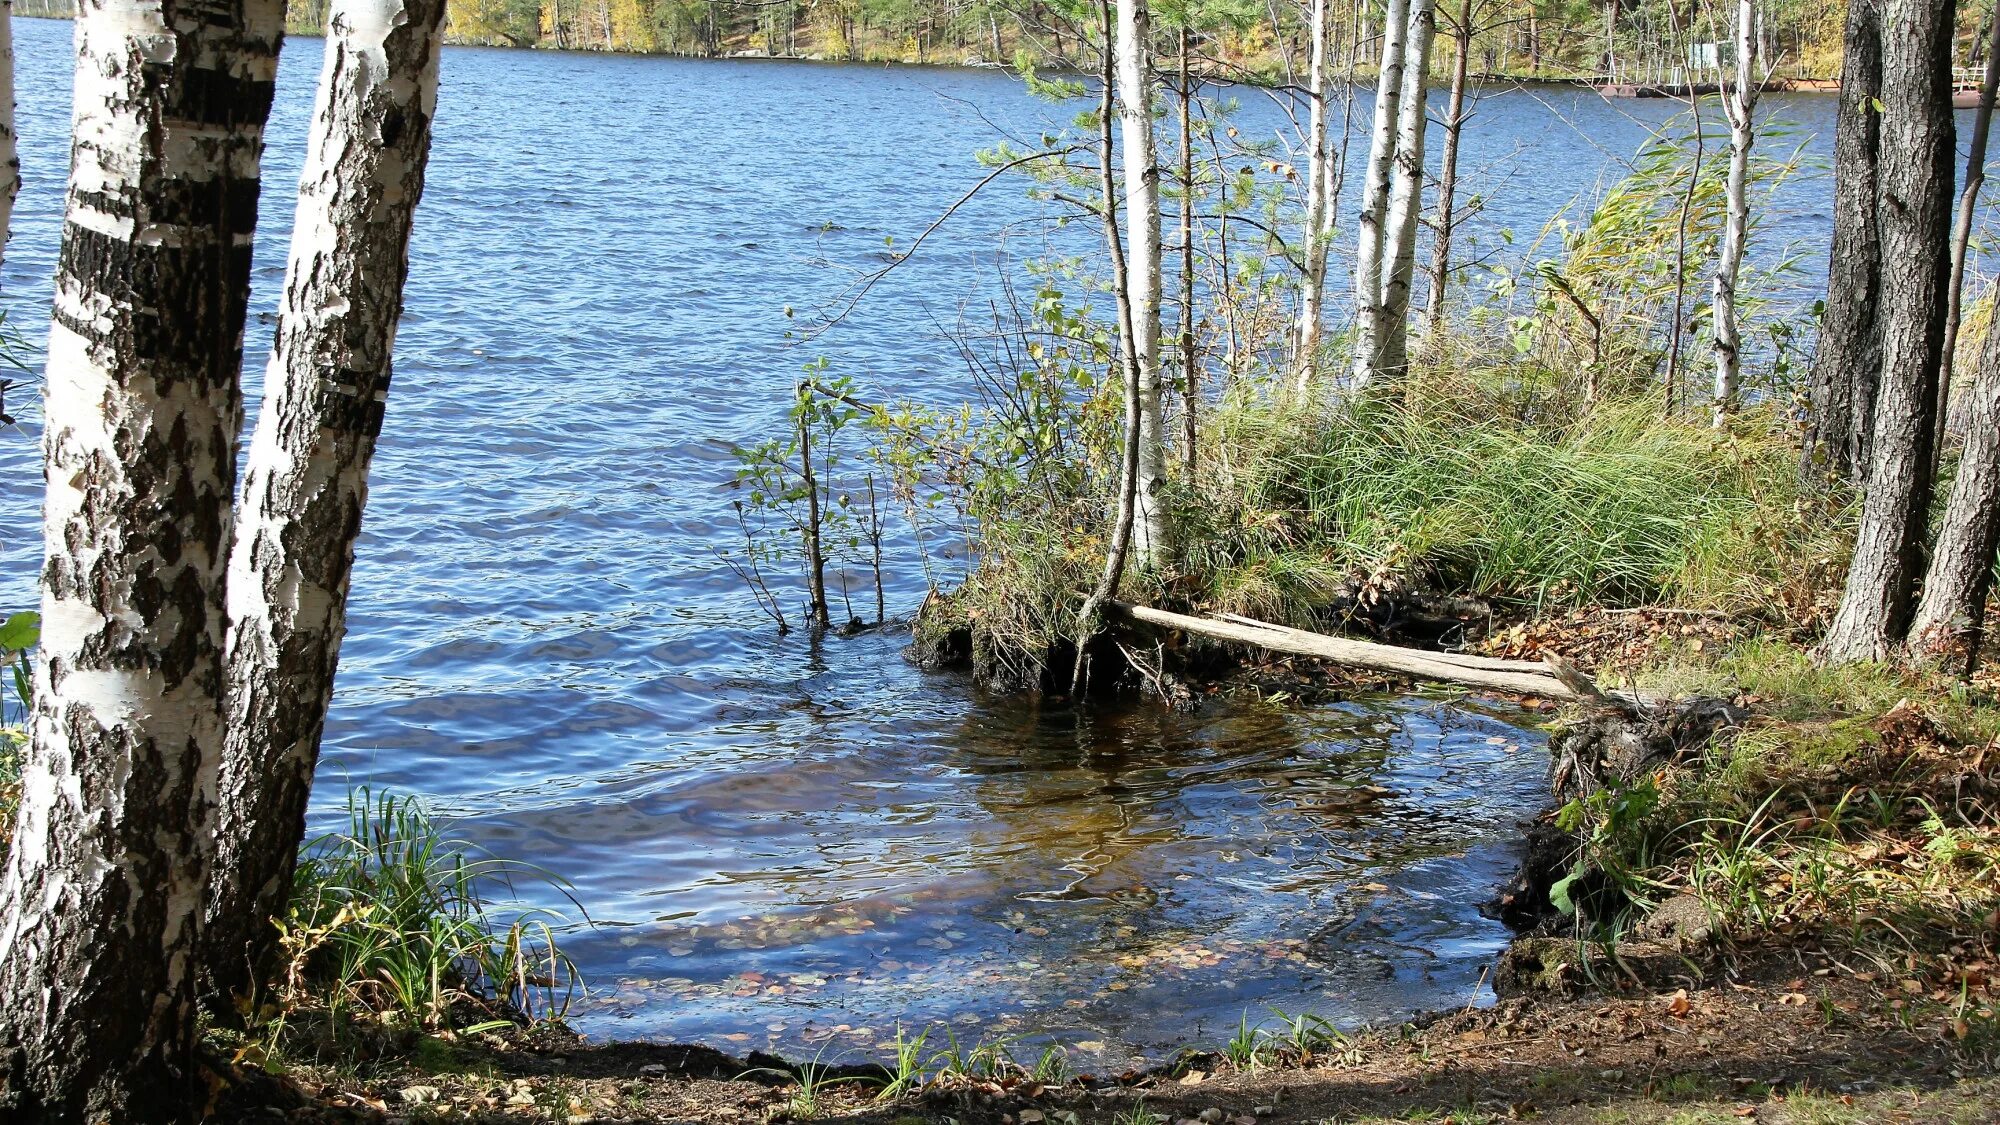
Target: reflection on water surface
{"points": [[776, 838]]}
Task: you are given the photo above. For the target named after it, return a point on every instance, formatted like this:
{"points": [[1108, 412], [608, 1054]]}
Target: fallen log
{"points": [[1555, 679]]}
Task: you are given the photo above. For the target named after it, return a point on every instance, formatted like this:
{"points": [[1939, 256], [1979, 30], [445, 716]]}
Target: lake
{"points": [[783, 842]]}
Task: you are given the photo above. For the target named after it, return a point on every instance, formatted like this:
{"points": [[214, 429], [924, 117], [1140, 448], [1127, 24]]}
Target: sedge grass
{"points": [[391, 917]]}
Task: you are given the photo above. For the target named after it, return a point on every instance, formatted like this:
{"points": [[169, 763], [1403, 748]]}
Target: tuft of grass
{"points": [[1841, 809], [1305, 1036], [1138, 1114], [1618, 506], [391, 917], [1246, 1049], [979, 1061], [815, 1082], [907, 1070], [1294, 513], [1052, 1066]]}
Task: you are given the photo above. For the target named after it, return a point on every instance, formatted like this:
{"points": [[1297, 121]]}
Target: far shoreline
{"points": [[978, 63]]}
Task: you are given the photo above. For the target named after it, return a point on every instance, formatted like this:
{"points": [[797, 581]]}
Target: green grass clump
{"points": [[390, 918], [1618, 506], [1840, 808], [12, 742], [1455, 485]]}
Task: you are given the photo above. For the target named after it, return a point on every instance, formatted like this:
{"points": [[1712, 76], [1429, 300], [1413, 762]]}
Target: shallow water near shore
{"points": [[785, 843]]}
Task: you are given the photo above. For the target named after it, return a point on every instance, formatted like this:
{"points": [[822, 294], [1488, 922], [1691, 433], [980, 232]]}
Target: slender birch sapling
{"points": [[1739, 104], [1371, 236], [1150, 542]]}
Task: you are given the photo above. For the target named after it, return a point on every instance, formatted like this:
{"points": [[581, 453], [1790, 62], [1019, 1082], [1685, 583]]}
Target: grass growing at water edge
{"points": [[1855, 806], [392, 928]]}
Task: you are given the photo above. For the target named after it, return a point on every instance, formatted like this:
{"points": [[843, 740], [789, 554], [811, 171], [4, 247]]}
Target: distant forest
{"points": [[1245, 38]]}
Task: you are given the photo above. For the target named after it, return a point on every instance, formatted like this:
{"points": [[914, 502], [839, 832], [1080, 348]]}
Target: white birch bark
{"points": [[1142, 273], [306, 480], [1739, 105], [1319, 211], [1372, 233], [10, 159], [100, 903], [1406, 193]]}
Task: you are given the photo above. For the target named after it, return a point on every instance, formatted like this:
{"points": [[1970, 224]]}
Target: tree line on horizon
{"points": [[1526, 39]]}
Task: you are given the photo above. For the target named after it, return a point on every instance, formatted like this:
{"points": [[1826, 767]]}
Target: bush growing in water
{"points": [[1294, 510]]}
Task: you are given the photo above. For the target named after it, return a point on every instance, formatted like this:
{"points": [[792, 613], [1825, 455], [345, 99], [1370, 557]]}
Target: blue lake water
{"points": [[781, 842]]}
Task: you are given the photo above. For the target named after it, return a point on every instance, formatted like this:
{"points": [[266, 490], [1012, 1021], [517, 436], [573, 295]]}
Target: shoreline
{"points": [[979, 63]]}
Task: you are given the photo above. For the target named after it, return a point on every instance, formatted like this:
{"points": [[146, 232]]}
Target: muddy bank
{"points": [[1785, 1035]]}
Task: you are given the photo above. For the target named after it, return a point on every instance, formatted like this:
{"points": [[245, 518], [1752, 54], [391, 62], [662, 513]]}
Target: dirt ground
{"points": [[1789, 1036]]}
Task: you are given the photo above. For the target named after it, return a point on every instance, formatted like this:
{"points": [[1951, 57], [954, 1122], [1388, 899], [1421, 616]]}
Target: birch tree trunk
{"points": [[1142, 270], [1739, 105], [1318, 216], [1406, 193], [1372, 236], [1949, 617], [1916, 182], [1841, 410], [307, 476], [1454, 125], [1125, 504], [1190, 356], [100, 903], [10, 158]]}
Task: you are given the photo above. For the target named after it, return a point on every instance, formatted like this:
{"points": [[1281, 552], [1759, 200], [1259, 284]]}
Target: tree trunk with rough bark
{"points": [[1953, 607], [1406, 194], [306, 481], [1151, 536], [1916, 183], [1318, 220], [10, 159], [1739, 105], [101, 901], [1961, 235], [1454, 125], [1372, 225], [1841, 407]]}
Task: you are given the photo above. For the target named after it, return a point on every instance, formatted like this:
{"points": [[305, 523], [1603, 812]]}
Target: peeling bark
{"points": [[100, 903], [1915, 216], [1739, 106], [1318, 222], [1372, 224], [1406, 193], [306, 480], [1150, 538]]}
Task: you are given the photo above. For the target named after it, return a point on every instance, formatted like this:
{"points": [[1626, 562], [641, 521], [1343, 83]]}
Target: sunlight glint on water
{"points": [[776, 839]]}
